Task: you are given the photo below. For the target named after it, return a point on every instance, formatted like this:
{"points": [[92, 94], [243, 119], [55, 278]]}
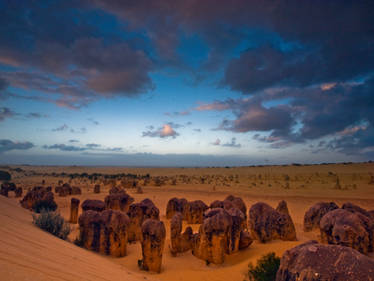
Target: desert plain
{"points": [[28, 253]]}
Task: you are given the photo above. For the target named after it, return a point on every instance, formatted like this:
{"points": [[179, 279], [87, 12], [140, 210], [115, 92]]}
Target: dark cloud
{"points": [[167, 130], [232, 144], [5, 113], [36, 115], [63, 127], [93, 145], [73, 141], [8, 145], [75, 66], [93, 121], [341, 112], [87, 147], [197, 130], [64, 147]]}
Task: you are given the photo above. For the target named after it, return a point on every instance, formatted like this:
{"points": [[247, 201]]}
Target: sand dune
{"points": [[28, 253]]}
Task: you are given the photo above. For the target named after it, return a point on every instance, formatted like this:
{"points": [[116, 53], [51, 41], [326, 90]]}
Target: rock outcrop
{"points": [[212, 242], [97, 188], [74, 208], [138, 213], [317, 262], [194, 212], [39, 197], [175, 205], [153, 240], [118, 201], [341, 227], [267, 224], [180, 242], [315, 213], [104, 232], [93, 205]]}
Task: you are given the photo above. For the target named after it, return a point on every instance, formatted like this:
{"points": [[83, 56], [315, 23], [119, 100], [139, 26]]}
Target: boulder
{"points": [[175, 205], [138, 213], [93, 205], [97, 188], [74, 208], [212, 242], [356, 209], [341, 227], [245, 240], [104, 232], [238, 225], [75, 190], [39, 197], [18, 192], [153, 239], [118, 201], [267, 224], [315, 213], [194, 211], [317, 262], [180, 242]]}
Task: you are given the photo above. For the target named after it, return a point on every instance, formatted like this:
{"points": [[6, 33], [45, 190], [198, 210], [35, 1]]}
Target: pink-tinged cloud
{"points": [[216, 106], [328, 86], [164, 132], [216, 142], [352, 130]]}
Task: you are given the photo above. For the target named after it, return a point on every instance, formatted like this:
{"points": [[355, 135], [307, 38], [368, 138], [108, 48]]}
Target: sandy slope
{"points": [[28, 253]]}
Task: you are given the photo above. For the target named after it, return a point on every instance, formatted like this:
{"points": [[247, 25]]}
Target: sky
{"points": [[186, 82]]}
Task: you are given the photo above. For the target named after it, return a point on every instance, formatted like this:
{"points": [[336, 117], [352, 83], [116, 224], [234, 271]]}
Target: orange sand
{"points": [[28, 252]]}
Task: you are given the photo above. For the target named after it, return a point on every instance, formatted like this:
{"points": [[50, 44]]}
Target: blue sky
{"points": [[186, 83]]}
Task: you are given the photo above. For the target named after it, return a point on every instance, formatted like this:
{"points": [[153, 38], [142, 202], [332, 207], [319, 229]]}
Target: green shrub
{"points": [[46, 205], [53, 223], [266, 268]]}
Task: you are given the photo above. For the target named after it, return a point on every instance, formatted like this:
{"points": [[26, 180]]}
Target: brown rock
{"points": [[194, 211], [94, 205], [213, 240], [18, 192], [356, 209], [118, 201], [4, 190], [180, 242], [64, 190], [245, 240], [75, 190], [138, 213], [74, 208], [317, 262], [267, 224], [175, 205], [116, 189], [39, 196], [153, 239], [104, 232], [341, 227], [97, 188], [238, 203], [238, 225], [115, 224], [315, 213]]}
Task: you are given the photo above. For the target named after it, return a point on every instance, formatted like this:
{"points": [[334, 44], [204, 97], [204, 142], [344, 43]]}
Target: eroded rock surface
{"points": [[268, 224], [315, 213], [316, 262]]}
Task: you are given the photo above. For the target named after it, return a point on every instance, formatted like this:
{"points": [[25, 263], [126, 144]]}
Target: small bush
{"points": [[266, 268], [46, 205], [53, 223]]}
